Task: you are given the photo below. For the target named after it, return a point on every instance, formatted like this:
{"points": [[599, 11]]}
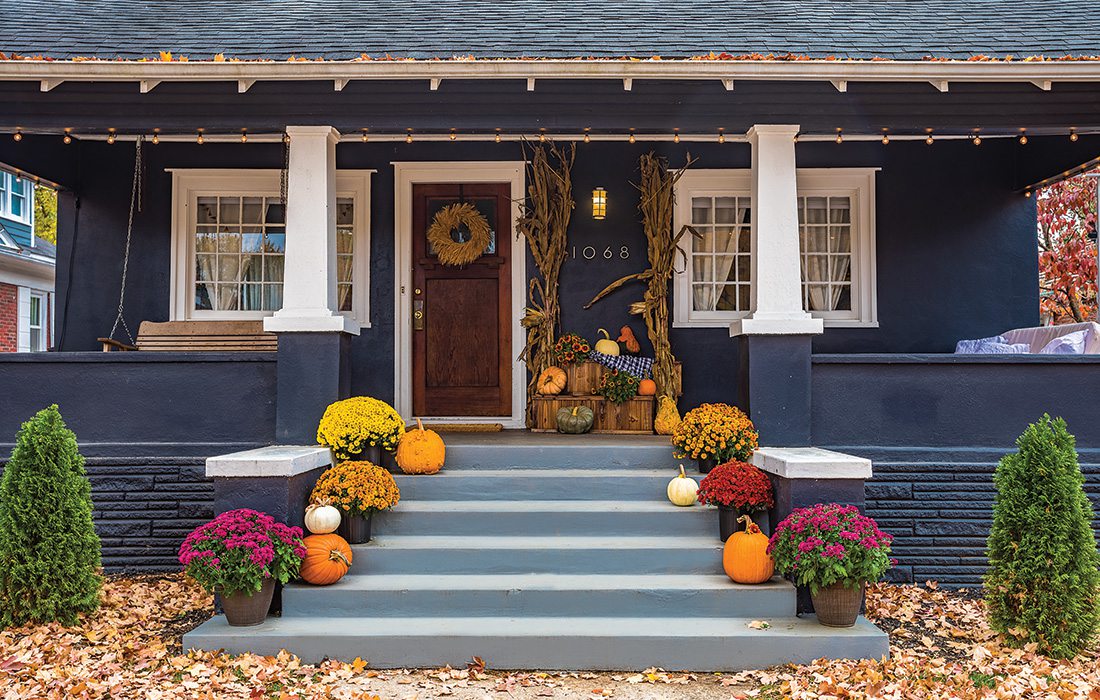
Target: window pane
{"points": [[252, 242], [700, 210], [817, 210], [273, 268], [206, 210], [251, 268], [273, 297], [36, 340], [202, 297], [840, 239], [345, 211], [723, 268], [816, 268], [274, 213], [35, 311], [344, 240], [228, 295], [229, 242], [725, 210], [840, 210], [252, 210], [206, 241], [252, 298], [204, 267], [229, 210], [275, 242], [702, 297], [704, 242], [703, 269]]}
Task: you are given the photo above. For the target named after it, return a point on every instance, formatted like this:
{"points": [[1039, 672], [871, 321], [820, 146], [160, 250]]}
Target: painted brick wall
{"points": [[940, 513], [144, 507], [9, 317]]}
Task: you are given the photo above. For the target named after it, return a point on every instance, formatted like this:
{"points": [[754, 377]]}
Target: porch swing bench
{"points": [[198, 336]]}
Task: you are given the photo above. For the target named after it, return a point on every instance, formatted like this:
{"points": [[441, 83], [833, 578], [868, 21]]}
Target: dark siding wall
{"points": [[956, 256]]}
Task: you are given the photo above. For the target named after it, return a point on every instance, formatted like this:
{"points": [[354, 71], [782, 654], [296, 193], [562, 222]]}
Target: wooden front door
{"points": [[462, 339]]}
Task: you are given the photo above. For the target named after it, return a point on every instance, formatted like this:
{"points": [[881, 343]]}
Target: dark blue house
{"points": [[861, 178]]}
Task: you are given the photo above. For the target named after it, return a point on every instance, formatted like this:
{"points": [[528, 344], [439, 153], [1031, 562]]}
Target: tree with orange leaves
{"points": [[1067, 255]]}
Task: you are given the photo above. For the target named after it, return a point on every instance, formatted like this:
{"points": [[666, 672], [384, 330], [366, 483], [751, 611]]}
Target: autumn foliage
{"points": [[49, 551], [1067, 258]]}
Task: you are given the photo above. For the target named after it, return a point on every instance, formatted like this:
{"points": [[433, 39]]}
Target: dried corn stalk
{"points": [[544, 223], [657, 206]]}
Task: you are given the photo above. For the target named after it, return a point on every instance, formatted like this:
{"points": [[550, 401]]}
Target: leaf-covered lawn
{"points": [[941, 647]]}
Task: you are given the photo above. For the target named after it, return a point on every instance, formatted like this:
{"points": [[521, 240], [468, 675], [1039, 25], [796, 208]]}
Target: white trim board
{"points": [[405, 175]]}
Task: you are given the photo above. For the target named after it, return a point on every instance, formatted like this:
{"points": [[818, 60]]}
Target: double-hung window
{"points": [[15, 197], [836, 246], [229, 244], [36, 321]]}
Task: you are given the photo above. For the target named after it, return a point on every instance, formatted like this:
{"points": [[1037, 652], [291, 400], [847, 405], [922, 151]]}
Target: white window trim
{"points": [[857, 183], [43, 320], [189, 183], [7, 195]]}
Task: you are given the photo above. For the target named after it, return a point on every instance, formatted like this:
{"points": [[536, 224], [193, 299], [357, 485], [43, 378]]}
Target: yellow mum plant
{"points": [[715, 431], [357, 488], [352, 425]]}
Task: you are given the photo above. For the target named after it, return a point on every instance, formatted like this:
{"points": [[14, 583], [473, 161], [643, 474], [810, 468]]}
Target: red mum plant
{"points": [[737, 485]]}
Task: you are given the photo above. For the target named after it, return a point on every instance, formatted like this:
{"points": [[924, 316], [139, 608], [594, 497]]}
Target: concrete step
{"points": [[605, 518], [536, 484], [474, 451], [403, 554], [548, 643], [537, 595]]}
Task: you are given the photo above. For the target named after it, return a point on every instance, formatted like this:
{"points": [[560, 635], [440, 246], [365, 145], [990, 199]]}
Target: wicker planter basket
{"points": [[838, 605]]}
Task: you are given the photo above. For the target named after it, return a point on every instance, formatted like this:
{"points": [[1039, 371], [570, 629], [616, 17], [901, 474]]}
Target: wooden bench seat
{"points": [[199, 336]]}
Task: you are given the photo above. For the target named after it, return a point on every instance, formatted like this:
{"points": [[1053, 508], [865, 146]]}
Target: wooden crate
{"points": [[632, 417], [583, 379]]}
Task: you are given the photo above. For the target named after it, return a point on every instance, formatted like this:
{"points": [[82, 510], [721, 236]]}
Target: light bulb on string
{"points": [[199, 139], [631, 139], [977, 140], [67, 138], [885, 139], [1023, 138], [839, 136], [676, 137], [409, 136], [542, 135], [156, 137], [721, 136], [110, 135], [497, 137], [17, 136], [454, 136], [587, 138], [929, 140], [1073, 135], [1027, 193], [365, 137], [286, 137], [244, 135]]}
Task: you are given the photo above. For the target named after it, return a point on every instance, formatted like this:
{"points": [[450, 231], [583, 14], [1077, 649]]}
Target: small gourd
{"points": [[627, 338], [421, 451], [668, 418], [647, 387], [745, 557], [607, 346], [682, 489], [327, 559], [322, 518], [575, 420], [551, 381]]}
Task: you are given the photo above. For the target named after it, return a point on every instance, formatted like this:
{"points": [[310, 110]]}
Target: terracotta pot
{"points": [[248, 609], [838, 605], [355, 528]]}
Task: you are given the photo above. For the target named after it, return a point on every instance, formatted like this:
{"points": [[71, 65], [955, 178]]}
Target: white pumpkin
{"points": [[321, 518], [607, 346], [682, 490]]}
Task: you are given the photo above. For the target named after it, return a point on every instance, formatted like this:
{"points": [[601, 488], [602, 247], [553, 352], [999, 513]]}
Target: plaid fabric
{"points": [[640, 367]]}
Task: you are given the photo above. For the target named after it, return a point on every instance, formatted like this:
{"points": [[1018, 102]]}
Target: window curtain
{"points": [[820, 265], [705, 297]]}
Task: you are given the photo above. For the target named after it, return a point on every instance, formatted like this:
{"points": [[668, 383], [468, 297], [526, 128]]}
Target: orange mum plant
{"points": [[715, 431], [357, 488]]}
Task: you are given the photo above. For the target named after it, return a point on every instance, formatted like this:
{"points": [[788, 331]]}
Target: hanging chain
{"points": [[284, 176], [135, 204]]}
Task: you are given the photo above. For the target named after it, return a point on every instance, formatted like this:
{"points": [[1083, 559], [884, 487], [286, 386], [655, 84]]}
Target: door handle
{"points": [[418, 314]]}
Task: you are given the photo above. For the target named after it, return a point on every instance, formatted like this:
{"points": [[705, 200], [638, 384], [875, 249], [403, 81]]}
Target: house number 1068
{"points": [[590, 253]]}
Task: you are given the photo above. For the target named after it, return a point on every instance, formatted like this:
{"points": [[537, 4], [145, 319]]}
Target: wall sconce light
{"points": [[599, 203]]}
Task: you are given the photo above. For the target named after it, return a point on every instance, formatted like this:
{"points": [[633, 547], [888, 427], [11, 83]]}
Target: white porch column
{"points": [[776, 270], [309, 278]]}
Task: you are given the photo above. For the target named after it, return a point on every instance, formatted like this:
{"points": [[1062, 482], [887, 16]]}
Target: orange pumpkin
{"points": [[647, 387], [745, 556], [551, 381], [421, 451], [327, 559], [626, 337]]}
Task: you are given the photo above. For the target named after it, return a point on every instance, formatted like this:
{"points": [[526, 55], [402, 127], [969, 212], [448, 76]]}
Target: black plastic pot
{"points": [[355, 528], [705, 465], [727, 521]]}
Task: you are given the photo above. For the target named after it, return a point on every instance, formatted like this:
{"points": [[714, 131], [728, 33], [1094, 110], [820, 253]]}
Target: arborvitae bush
{"points": [[49, 552], [1043, 583]]}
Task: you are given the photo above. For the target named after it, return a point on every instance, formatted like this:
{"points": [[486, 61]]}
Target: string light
{"points": [[497, 137], [676, 136], [365, 137], [409, 136], [795, 139], [885, 138], [110, 135], [286, 137], [1023, 137], [587, 138], [17, 136], [1073, 135], [199, 139], [156, 136], [454, 135], [542, 135], [721, 136], [631, 139], [929, 140], [1027, 193], [977, 140], [67, 138], [839, 136], [244, 135]]}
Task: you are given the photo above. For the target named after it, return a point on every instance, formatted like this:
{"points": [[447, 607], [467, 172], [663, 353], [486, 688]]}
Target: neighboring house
{"points": [[861, 204], [26, 271]]}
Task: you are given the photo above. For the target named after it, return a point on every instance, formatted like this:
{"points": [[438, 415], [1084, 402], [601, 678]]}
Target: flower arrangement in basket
{"points": [[737, 485], [571, 349], [618, 387], [835, 551], [240, 550], [351, 426], [357, 488], [715, 431]]}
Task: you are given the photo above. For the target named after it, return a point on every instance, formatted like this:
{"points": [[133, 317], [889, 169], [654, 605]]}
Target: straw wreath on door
{"points": [[448, 234]]}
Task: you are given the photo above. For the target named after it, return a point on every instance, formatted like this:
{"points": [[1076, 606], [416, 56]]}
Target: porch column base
{"points": [[805, 476], [276, 480], [313, 371], [774, 386]]}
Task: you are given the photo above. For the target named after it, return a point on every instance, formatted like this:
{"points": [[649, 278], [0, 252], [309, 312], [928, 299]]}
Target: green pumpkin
{"points": [[575, 420]]}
